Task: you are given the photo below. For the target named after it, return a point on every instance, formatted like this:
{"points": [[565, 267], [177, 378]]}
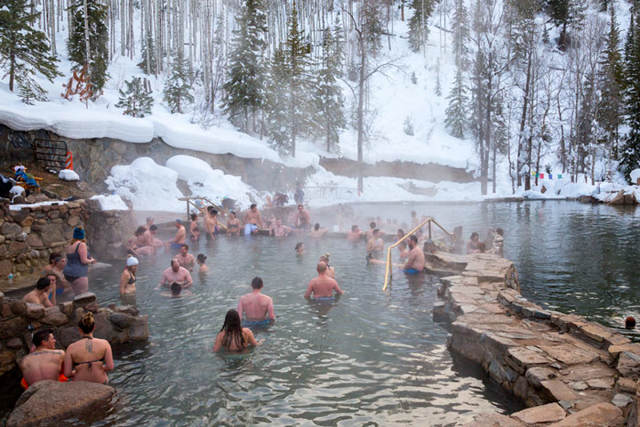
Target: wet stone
{"points": [[626, 385], [494, 420], [600, 383], [558, 390], [595, 415], [84, 299], [621, 400], [579, 386], [525, 356], [629, 364], [537, 374], [548, 413], [570, 354]]}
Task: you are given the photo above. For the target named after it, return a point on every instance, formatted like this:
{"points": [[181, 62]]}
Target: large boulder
{"points": [[52, 402]]}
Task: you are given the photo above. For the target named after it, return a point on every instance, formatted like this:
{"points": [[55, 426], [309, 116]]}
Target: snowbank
{"points": [[110, 203], [68, 175]]}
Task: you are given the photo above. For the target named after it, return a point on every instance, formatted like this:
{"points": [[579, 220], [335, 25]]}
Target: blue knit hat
{"points": [[78, 233]]}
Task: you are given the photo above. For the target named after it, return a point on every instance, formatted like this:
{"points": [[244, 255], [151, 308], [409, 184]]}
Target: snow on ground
{"points": [[110, 203], [68, 175], [19, 207]]}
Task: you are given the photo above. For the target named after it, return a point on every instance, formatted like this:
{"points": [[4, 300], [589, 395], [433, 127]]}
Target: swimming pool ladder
{"points": [[429, 221]]}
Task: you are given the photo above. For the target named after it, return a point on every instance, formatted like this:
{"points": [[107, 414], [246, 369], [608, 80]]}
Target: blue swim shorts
{"points": [[331, 298], [176, 246], [256, 323], [411, 271]]}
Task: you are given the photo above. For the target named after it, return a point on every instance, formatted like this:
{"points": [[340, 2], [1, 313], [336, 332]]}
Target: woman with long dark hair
{"points": [[233, 337]]}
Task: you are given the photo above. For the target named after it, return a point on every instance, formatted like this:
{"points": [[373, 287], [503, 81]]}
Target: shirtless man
{"points": [[279, 230], [40, 295], [56, 267], [375, 244], [211, 222], [303, 219], [369, 234], [194, 229], [180, 238], [150, 237], [185, 259], [323, 285], [257, 307], [45, 362], [318, 232], [177, 274], [355, 234], [253, 217], [415, 261], [402, 249], [233, 224]]}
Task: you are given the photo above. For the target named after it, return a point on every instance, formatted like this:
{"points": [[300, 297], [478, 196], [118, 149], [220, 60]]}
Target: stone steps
{"points": [[567, 370]]}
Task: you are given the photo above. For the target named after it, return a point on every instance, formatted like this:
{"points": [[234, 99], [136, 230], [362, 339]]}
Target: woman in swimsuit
{"points": [[77, 269], [193, 228], [128, 277], [233, 337], [89, 358]]}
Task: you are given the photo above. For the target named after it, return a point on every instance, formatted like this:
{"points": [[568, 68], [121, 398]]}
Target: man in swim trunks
{"points": [[375, 245], [253, 216], [40, 295], [177, 274], [415, 261], [279, 230], [257, 307], [355, 234], [323, 285], [185, 259], [211, 222], [45, 362], [233, 224], [303, 219], [180, 238]]}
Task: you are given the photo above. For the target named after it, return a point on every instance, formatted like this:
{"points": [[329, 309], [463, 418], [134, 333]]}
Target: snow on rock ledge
{"points": [[68, 175], [110, 203]]}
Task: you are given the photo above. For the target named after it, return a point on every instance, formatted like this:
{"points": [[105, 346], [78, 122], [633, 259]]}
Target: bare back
{"points": [[256, 306], [322, 287], [42, 365], [89, 359]]}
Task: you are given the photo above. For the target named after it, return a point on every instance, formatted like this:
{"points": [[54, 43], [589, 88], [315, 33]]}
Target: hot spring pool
{"points": [[370, 358]]}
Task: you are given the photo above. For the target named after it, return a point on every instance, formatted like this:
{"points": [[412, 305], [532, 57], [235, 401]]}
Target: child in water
{"points": [[201, 262]]}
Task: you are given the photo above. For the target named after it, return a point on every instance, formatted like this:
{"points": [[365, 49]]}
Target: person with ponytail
{"points": [[89, 358], [233, 337]]}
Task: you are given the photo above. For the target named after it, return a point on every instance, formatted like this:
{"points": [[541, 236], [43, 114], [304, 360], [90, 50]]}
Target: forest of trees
{"points": [[533, 77]]}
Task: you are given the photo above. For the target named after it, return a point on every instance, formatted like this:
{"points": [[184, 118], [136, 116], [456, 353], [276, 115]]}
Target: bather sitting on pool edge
{"points": [[233, 337]]}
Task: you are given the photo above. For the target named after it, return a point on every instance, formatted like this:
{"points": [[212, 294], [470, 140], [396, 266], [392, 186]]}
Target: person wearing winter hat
{"points": [[76, 271], [128, 277]]}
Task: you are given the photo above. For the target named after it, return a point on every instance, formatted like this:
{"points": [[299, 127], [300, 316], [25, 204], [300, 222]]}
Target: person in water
{"points": [[629, 322], [299, 249], [176, 291], [128, 277], [233, 224], [76, 271], [211, 222], [279, 230], [369, 234], [56, 267], [402, 249], [201, 259], [303, 218], [355, 234], [185, 259], [331, 272], [256, 307], [233, 337], [40, 295], [89, 358], [139, 244], [415, 260], [45, 362], [318, 232], [194, 229], [322, 286], [474, 246], [497, 246], [181, 235], [151, 239], [252, 220], [176, 273], [375, 245]]}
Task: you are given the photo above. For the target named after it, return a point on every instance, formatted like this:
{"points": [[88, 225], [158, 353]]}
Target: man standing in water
{"points": [[181, 236], [415, 261], [45, 362], [185, 259], [303, 219], [322, 287], [211, 222], [177, 274], [257, 307]]}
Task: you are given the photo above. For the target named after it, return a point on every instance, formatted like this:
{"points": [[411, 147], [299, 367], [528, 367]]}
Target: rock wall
{"points": [[18, 319], [568, 370], [28, 236], [94, 158]]}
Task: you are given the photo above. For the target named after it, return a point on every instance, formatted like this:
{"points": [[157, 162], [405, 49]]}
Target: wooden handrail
{"points": [[387, 270]]}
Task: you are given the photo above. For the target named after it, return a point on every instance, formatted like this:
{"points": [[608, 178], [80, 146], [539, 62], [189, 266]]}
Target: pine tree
{"points": [[277, 102], [457, 113], [460, 26], [630, 151], [328, 94], [91, 52], [244, 88], [177, 88], [565, 14], [418, 23], [24, 51], [372, 25], [136, 100], [148, 65]]}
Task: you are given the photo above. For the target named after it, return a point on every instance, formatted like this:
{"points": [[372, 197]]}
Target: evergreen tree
{"points": [[460, 26], [372, 24], [611, 85], [418, 23], [565, 14], [148, 65], [91, 52], [136, 100], [24, 51], [177, 88], [457, 113], [244, 88], [328, 94], [277, 102], [630, 151]]}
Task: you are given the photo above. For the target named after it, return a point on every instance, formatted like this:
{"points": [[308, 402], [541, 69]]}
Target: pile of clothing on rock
{"points": [[18, 187]]}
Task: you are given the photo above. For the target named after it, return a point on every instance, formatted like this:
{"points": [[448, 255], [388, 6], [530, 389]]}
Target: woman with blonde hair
{"points": [[76, 271], [89, 358]]}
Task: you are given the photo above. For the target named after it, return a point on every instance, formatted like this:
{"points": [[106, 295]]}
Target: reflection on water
{"points": [[368, 357]]}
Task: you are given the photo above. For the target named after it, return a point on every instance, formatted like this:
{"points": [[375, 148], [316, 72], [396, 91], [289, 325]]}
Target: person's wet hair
{"points": [[140, 230], [629, 322], [372, 225], [299, 245], [401, 232], [176, 289], [153, 227], [43, 283], [474, 235], [172, 261], [87, 323], [184, 245], [213, 212], [354, 227], [413, 238], [54, 257], [41, 336], [316, 226], [232, 328], [253, 205], [201, 258], [257, 283], [194, 217], [500, 231], [322, 267], [233, 213]]}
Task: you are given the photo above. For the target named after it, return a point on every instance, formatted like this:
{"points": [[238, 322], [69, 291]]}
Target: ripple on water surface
{"points": [[367, 358]]}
